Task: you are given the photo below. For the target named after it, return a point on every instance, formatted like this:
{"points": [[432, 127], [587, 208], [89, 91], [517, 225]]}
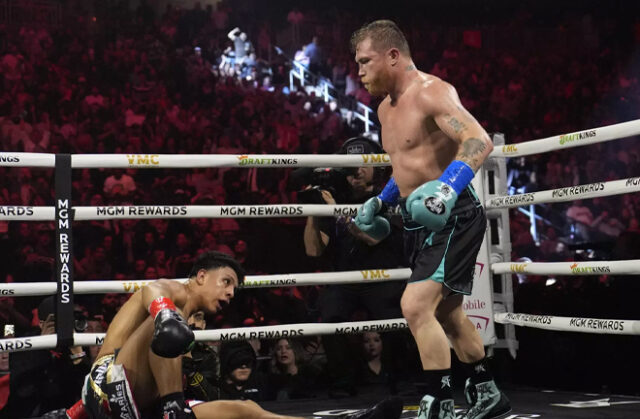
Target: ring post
{"points": [[64, 252]]}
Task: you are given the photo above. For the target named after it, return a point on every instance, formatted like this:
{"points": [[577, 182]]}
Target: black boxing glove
{"points": [[172, 336]]}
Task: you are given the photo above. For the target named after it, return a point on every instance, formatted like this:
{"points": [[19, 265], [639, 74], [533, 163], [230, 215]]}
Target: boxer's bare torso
{"points": [[418, 148]]}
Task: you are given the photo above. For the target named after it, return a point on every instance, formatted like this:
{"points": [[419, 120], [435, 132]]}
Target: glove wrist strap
{"points": [[457, 175], [159, 304], [390, 193]]}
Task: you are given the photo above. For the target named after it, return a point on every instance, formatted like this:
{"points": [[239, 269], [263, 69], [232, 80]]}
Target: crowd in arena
{"points": [[109, 80]]}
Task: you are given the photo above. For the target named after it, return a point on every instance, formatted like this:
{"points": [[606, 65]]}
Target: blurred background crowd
{"points": [[143, 77]]}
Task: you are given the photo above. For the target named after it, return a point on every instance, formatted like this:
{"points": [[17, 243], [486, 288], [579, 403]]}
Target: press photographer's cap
{"points": [[360, 145]]}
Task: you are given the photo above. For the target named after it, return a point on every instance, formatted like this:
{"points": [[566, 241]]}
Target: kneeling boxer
{"points": [[140, 365]]}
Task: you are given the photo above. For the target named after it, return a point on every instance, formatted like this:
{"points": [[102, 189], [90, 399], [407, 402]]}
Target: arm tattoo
{"points": [[457, 126], [471, 152]]}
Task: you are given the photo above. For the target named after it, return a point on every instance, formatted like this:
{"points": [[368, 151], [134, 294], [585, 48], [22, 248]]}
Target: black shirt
{"points": [[347, 253]]}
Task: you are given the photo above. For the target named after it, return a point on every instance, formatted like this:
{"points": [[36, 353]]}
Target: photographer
{"points": [[200, 366], [45, 380], [346, 248]]}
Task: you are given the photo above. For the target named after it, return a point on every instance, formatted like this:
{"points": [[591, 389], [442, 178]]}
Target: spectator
{"points": [[10, 314], [95, 266], [237, 363], [313, 51], [376, 374], [45, 380], [339, 76], [289, 377], [200, 366], [119, 184], [95, 324], [110, 304], [582, 218], [608, 226], [242, 47]]}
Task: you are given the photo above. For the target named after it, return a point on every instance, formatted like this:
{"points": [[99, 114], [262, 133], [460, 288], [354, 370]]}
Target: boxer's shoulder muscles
{"points": [[162, 288], [437, 97], [440, 101]]}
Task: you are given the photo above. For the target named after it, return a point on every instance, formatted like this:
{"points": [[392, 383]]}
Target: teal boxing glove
{"points": [[430, 204], [370, 222]]}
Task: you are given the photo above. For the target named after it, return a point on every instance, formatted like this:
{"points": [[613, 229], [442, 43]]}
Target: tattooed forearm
{"points": [[472, 152], [457, 126]]}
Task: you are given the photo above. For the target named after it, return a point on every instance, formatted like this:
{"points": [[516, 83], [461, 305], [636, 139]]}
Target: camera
{"points": [[334, 179], [330, 179], [80, 322]]}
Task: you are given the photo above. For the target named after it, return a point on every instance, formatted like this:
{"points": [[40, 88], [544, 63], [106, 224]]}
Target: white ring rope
{"points": [[12, 213], [241, 333], [570, 193], [571, 324], [190, 161], [251, 281], [187, 161], [565, 324], [574, 139], [213, 211], [22, 213], [617, 267], [27, 159]]}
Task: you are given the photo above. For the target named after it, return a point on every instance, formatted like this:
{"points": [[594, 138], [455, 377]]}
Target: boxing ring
{"points": [[490, 306]]}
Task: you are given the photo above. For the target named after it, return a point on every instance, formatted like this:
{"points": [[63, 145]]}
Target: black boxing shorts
{"points": [[106, 392], [449, 255]]}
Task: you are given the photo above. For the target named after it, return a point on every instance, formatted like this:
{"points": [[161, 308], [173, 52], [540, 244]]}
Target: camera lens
{"points": [[80, 323]]}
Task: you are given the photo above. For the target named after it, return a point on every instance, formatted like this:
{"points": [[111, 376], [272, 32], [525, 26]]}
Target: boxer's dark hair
{"points": [[215, 260], [384, 34]]}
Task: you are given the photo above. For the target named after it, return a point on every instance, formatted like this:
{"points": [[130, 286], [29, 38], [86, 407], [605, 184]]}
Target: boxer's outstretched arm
{"points": [[234, 409], [440, 101]]}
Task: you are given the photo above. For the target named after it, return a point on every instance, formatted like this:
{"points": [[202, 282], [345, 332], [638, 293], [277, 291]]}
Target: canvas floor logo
{"points": [[411, 412]]}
